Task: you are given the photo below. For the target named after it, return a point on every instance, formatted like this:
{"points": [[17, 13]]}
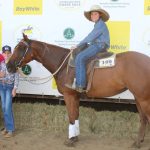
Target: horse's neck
{"points": [[51, 56]]}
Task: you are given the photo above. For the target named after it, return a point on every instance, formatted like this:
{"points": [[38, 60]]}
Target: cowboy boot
{"points": [[70, 80]]}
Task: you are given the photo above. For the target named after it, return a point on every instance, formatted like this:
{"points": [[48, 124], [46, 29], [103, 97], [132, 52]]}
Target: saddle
{"points": [[104, 59]]}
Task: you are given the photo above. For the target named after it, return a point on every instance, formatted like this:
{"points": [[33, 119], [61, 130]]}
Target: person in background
{"points": [[8, 86], [2, 65]]}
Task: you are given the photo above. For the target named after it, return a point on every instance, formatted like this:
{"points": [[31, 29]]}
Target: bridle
{"points": [[27, 49]]}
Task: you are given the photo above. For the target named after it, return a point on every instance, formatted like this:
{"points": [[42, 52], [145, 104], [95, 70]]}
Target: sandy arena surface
{"points": [[35, 140]]}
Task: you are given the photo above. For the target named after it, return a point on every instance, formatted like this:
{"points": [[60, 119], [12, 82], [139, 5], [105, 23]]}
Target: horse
{"points": [[131, 72]]}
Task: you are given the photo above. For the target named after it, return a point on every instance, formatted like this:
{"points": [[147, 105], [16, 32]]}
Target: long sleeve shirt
{"points": [[9, 78], [99, 35], [2, 66]]}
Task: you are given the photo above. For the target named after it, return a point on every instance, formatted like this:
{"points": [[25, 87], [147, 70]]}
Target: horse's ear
{"points": [[25, 37]]}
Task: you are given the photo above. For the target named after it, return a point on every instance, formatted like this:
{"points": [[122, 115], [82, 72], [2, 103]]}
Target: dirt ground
{"points": [[36, 140]]}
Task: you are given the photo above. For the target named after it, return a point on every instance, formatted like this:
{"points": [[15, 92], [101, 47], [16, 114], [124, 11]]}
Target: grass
{"points": [[55, 119]]}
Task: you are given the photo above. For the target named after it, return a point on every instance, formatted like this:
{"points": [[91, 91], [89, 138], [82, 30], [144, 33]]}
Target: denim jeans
{"points": [[80, 63], [6, 102]]}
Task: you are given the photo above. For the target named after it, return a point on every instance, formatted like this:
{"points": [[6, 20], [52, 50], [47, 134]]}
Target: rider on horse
{"points": [[98, 40]]}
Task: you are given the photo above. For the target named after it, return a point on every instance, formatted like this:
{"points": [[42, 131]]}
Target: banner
{"points": [[119, 36], [147, 7], [62, 23], [28, 7]]}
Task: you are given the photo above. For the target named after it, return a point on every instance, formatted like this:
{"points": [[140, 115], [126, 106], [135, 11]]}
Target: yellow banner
{"points": [[54, 85], [28, 7], [119, 36], [147, 7], [0, 35]]}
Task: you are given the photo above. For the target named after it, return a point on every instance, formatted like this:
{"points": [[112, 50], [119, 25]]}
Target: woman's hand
{"points": [[14, 92], [2, 74]]}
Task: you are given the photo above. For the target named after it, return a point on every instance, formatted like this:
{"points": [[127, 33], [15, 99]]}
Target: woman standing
{"points": [[8, 86]]}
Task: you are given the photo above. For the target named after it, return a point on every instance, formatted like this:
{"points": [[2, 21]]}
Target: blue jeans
{"points": [[6, 102], [80, 63]]}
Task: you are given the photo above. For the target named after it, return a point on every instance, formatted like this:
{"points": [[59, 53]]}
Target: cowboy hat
{"points": [[105, 15]]}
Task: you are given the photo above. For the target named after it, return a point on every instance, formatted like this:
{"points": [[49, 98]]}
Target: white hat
{"points": [[105, 15]]}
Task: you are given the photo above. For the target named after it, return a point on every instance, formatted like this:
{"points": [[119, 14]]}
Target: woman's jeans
{"points": [[6, 102], [80, 62]]}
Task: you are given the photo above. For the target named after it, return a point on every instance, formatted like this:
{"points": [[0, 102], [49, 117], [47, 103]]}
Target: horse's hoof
{"points": [[136, 145], [71, 142]]}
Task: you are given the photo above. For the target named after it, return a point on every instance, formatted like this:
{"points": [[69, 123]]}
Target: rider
{"points": [[98, 40]]}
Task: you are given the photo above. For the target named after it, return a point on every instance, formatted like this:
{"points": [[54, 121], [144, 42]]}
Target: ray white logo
{"points": [[28, 7], [31, 31]]}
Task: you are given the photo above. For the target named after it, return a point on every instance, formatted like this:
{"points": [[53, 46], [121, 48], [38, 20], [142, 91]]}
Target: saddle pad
{"points": [[105, 62], [102, 60]]}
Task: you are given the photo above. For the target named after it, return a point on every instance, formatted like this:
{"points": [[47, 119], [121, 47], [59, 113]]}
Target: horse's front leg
{"points": [[72, 104]]}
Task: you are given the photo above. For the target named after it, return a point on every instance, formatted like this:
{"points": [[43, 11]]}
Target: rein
{"points": [[30, 79], [62, 63]]}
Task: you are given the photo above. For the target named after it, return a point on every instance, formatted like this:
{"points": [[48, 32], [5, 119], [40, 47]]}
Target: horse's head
{"points": [[21, 55]]}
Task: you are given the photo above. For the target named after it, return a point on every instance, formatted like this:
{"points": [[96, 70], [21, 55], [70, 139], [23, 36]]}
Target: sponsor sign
{"points": [[26, 69], [147, 7], [54, 86], [70, 4], [119, 36], [27, 7], [68, 40], [68, 33], [31, 31]]}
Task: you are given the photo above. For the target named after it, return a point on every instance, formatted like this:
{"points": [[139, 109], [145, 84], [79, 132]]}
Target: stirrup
{"points": [[73, 86], [70, 86], [80, 89]]}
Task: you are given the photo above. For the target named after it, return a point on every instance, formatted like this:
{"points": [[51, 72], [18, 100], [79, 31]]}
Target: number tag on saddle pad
{"points": [[106, 62]]}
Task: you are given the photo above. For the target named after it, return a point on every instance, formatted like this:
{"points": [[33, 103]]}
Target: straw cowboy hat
{"points": [[105, 15]]}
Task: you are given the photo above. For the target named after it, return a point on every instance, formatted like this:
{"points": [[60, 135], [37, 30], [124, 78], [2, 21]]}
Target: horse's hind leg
{"points": [[143, 121]]}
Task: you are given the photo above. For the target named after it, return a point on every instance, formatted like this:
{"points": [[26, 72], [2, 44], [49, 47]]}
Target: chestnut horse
{"points": [[131, 72]]}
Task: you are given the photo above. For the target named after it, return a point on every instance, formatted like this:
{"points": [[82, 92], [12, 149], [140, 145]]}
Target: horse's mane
{"points": [[50, 45]]}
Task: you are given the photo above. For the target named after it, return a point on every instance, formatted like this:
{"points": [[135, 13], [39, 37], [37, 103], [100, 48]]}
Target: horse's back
{"points": [[135, 61], [131, 72], [136, 72], [134, 56]]}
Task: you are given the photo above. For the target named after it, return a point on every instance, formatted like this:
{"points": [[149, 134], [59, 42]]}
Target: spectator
{"points": [[8, 86]]}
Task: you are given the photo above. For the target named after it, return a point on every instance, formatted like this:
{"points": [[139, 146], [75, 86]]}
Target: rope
{"points": [[30, 79]]}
